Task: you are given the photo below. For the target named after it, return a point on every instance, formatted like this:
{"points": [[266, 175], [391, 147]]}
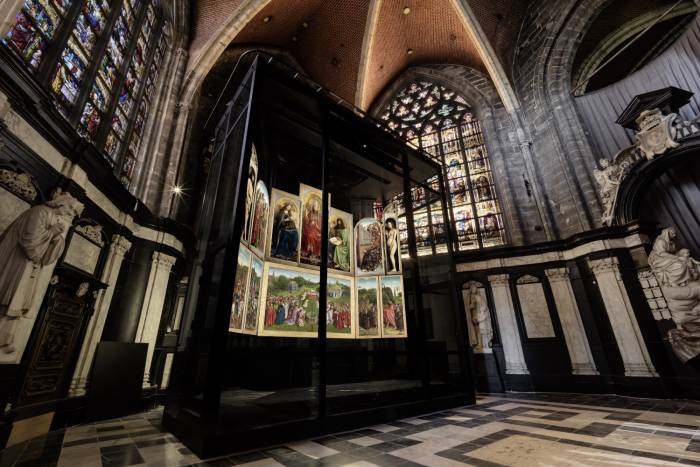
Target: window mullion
{"points": [[106, 123], [56, 46], [429, 213], [131, 118], [467, 173], [94, 65], [450, 222]]}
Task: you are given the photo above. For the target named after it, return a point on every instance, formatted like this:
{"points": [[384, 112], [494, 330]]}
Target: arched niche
{"points": [[665, 192]]}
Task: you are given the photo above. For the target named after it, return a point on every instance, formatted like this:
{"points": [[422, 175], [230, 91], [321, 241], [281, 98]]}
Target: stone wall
{"points": [[541, 74]]}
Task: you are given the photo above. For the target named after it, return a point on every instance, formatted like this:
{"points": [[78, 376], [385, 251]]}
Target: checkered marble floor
{"points": [[514, 430]]}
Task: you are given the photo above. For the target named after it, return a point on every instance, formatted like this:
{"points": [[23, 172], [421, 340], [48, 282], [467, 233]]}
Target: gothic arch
{"points": [[481, 94], [553, 33]]}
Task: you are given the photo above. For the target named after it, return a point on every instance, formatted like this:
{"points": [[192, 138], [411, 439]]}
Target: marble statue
{"points": [[478, 314], [608, 178], [656, 134], [678, 275], [34, 240]]}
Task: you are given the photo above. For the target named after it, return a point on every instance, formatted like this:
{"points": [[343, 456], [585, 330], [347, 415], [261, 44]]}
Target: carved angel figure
{"points": [[34, 240], [678, 276], [608, 178]]}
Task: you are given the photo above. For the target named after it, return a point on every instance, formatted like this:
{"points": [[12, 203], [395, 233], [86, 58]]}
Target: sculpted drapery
{"points": [[34, 240], [679, 277]]}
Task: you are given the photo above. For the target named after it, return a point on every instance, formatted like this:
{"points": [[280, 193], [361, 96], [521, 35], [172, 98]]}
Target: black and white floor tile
{"points": [[514, 430]]}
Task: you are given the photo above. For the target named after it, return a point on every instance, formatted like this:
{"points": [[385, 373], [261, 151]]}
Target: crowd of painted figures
{"points": [[283, 233], [339, 316]]}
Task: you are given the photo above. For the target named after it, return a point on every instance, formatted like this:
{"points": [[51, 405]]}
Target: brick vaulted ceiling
{"points": [[356, 48]]}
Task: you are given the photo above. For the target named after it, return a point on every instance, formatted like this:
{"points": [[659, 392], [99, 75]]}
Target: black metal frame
{"points": [[197, 419]]}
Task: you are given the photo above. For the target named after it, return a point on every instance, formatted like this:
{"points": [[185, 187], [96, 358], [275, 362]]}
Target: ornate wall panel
{"points": [[533, 305], [55, 343]]}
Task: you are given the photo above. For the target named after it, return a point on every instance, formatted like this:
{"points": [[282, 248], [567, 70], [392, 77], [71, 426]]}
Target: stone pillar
{"points": [[630, 341], [167, 369], [117, 249], [8, 11], [152, 310], [582, 362], [508, 326]]}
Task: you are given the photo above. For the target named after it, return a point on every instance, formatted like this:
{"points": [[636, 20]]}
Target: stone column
{"points": [[166, 370], [582, 362], [117, 249], [152, 310], [508, 326], [630, 341], [8, 11]]}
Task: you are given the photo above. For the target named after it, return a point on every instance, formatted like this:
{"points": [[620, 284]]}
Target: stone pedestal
{"points": [[152, 310], [630, 341], [117, 249], [508, 326], [582, 362]]}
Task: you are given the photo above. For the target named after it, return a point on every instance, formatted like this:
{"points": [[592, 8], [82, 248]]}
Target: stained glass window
{"points": [[35, 28], [100, 60], [129, 92], [76, 56], [127, 172], [441, 122]]}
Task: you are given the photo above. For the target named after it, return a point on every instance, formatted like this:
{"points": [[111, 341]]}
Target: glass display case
{"points": [[311, 308]]}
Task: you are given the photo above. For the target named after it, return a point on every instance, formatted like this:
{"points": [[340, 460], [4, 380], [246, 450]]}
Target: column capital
{"points": [[499, 279], [161, 260], [120, 245], [610, 264], [557, 274]]}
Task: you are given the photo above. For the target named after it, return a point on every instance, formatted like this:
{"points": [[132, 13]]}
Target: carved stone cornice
{"points": [[499, 279], [120, 245], [82, 289], [604, 265], [527, 279], [91, 232], [161, 260], [19, 183], [557, 274], [657, 132]]}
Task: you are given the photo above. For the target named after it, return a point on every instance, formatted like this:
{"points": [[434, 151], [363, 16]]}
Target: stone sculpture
{"points": [[34, 240], [479, 316], [609, 177], [657, 132], [679, 277]]}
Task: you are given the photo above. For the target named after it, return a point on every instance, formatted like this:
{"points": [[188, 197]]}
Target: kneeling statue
{"points": [[679, 278]]}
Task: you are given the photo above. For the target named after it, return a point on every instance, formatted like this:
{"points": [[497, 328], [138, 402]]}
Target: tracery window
{"points": [[100, 61], [441, 122]]}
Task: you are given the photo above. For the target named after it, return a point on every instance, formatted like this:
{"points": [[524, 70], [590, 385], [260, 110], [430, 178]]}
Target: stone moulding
{"points": [[92, 233], [19, 183], [656, 135]]}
